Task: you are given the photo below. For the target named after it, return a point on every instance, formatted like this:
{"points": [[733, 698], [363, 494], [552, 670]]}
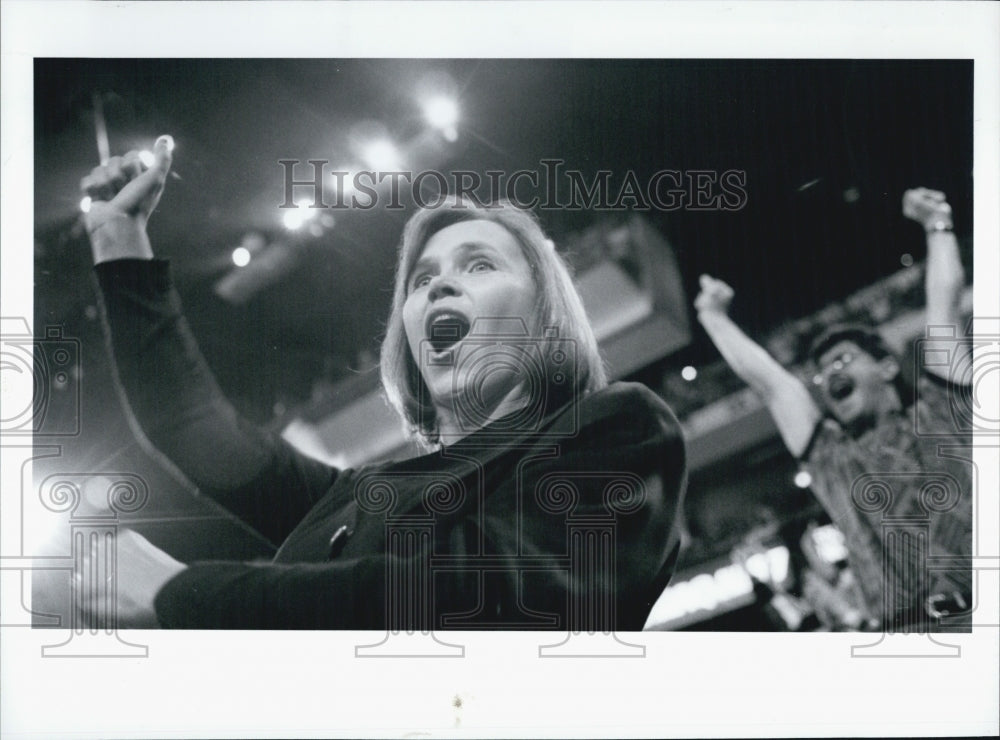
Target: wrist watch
{"points": [[938, 224]]}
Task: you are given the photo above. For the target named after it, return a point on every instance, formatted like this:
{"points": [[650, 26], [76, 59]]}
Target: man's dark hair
{"points": [[867, 340]]}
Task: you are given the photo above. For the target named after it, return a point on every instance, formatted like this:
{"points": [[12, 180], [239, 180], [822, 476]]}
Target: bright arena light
{"points": [[85, 204], [803, 479], [689, 373], [147, 157], [293, 218], [442, 113], [241, 256], [382, 155]]}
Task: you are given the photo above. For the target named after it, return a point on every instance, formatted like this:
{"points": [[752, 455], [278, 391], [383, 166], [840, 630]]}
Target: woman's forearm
{"points": [[177, 404]]}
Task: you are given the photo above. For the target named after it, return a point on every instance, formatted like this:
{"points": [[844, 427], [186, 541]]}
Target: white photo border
{"points": [[262, 684]]}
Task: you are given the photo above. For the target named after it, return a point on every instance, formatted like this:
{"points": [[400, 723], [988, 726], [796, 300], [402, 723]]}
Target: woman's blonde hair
{"points": [[558, 306]]}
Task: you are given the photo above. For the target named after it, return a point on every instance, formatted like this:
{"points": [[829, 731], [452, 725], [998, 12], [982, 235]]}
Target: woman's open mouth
{"points": [[840, 387], [446, 329]]}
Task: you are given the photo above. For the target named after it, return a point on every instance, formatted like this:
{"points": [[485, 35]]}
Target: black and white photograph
{"points": [[500, 361]]}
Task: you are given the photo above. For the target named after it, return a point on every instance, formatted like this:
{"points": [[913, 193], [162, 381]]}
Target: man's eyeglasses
{"points": [[839, 363]]}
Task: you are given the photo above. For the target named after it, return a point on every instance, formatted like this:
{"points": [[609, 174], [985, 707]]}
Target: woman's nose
{"points": [[443, 287]]}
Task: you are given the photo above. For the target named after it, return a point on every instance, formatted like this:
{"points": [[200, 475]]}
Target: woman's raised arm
{"points": [[167, 386]]}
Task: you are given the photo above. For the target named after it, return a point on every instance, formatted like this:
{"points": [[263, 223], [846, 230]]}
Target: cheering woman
{"points": [[548, 499]]}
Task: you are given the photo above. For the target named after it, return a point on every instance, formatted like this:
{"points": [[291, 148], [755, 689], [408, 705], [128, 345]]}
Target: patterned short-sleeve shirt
{"points": [[901, 493]]}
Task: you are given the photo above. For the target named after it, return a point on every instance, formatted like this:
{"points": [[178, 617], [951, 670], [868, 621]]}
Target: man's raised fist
{"points": [[715, 296], [928, 208]]}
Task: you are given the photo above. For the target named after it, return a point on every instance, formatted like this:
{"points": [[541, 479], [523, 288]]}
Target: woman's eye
{"points": [[420, 281], [481, 266]]}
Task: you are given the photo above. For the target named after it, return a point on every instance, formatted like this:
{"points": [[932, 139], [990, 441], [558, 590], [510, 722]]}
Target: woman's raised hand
{"points": [[123, 194]]}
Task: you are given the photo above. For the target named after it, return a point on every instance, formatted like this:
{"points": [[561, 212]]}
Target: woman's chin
{"points": [[474, 401]]}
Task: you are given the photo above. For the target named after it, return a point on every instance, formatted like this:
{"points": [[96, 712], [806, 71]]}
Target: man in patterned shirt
{"points": [[890, 474]]}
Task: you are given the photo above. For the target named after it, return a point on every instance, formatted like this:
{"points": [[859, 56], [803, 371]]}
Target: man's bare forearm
{"points": [[792, 408], [748, 360], [945, 275], [945, 279]]}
